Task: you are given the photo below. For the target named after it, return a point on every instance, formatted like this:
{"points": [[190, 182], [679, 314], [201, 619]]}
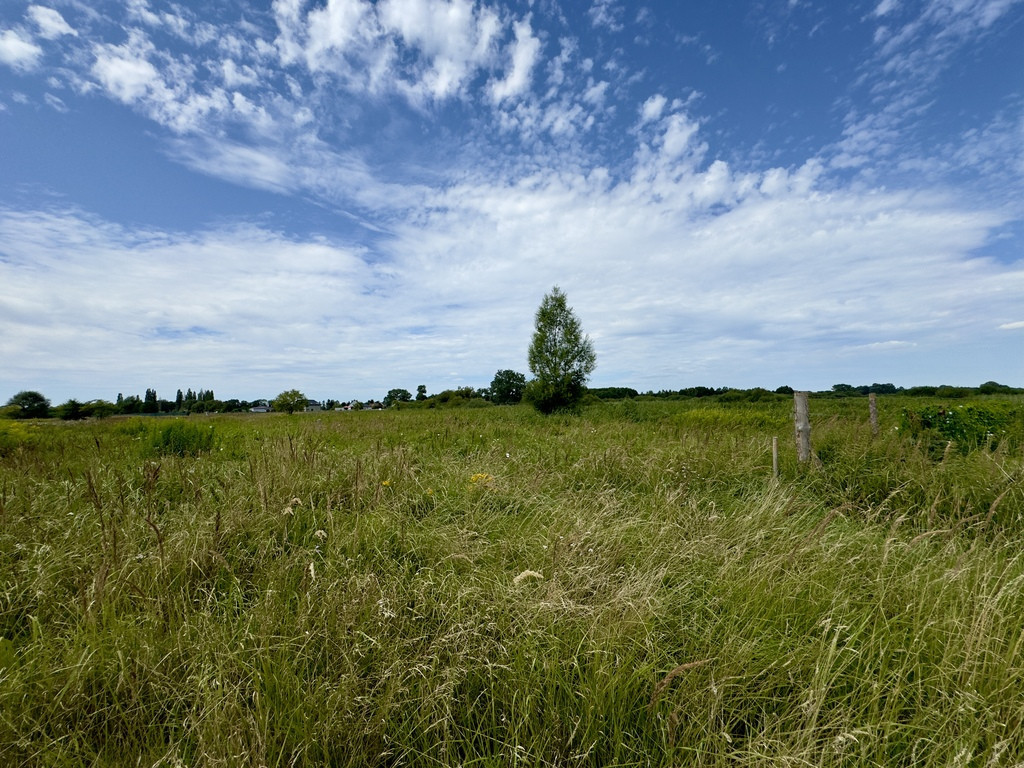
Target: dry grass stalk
{"points": [[666, 681]]}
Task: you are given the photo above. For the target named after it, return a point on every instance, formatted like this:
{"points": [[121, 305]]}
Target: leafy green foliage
{"points": [[561, 357], [72, 410], [507, 387], [995, 388], [30, 405], [613, 393], [99, 409], [460, 397], [395, 396], [969, 426], [289, 401]]}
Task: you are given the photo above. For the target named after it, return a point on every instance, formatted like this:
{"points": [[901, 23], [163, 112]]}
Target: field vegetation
{"points": [[492, 587]]}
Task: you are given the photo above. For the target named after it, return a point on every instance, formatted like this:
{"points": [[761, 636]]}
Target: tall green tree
{"points": [[70, 411], [397, 395], [561, 356], [507, 387], [130, 405], [32, 405], [289, 401]]}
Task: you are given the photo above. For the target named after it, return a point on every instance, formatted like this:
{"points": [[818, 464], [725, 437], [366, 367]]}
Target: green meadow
{"points": [[630, 586]]}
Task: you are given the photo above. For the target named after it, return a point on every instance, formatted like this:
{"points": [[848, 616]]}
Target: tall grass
{"points": [[491, 588]]}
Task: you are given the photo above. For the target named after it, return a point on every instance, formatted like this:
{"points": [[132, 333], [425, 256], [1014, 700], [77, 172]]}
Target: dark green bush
{"points": [[969, 426]]}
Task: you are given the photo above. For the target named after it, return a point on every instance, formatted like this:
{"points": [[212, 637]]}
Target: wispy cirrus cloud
{"points": [[914, 47], [607, 14]]}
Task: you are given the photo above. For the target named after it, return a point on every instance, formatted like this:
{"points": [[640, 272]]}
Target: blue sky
{"points": [[347, 196]]}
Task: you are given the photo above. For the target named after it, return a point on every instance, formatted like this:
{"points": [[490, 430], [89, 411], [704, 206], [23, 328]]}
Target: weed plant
{"points": [[489, 587]]}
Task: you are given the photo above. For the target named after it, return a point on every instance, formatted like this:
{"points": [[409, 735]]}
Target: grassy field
{"points": [[489, 587]]}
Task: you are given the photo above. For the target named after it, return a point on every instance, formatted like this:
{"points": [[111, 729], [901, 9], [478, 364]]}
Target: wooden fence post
{"points": [[775, 458], [802, 420], [873, 410]]}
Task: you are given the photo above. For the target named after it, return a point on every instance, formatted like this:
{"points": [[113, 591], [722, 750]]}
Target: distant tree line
{"points": [[507, 388], [33, 405], [943, 390]]}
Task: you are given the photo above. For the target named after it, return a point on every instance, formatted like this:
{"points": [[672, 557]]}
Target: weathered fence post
{"points": [[873, 410], [775, 458], [802, 420]]}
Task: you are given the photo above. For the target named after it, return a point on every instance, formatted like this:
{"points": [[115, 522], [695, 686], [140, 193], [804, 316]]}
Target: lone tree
{"points": [[289, 401], [507, 387], [31, 405], [395, 396], [561, 357]]}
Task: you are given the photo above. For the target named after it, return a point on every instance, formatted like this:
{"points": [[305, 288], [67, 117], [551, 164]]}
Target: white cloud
{"points": [[333, 29], [653, 108], [236, 75], [1012, 326], [455, 37], [524, 55], [886, 7], [606, 13], [137, 74], [900, 81], [595, 93], [50, 23], [425, 50], [557, 65], [55, 102], [288, 15], [139, 10], [18, 52], [679, 137], [179, 22], [126, 72], [893, 344], [239, 163], [82, 287]]}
